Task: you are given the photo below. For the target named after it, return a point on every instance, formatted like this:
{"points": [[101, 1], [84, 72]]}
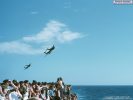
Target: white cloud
{"points": [[18, 48], [47, 34], [67, 5], [68, 36], [54, 31], [34, 12]]}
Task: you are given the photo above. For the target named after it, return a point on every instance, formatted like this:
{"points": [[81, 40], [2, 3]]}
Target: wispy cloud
{"points": [[34, 12], [53, 32], [67, 5], [18, 48]]}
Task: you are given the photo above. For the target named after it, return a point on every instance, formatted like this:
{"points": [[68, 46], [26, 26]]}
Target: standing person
{"points": [[61, 86], [43, 94], [22, 89], [69, 92], [51, 91], [5, 86], [14, 94], [26, 86], [2, 96], [57, 92]]}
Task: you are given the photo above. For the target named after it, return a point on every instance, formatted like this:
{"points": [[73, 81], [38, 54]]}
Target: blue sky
{"points": [[93, 41]]}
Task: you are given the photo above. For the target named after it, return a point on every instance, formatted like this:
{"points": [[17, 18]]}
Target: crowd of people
{"points": [[25, 90]]}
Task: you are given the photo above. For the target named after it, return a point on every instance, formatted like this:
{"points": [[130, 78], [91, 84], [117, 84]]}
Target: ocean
{"points": [[103, 92]]}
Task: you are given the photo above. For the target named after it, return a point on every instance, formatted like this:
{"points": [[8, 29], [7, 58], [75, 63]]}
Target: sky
{"points": [[93, 41]]}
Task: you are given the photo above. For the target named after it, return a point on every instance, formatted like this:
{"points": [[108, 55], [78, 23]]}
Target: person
{"points": [[74, 97], [15, 95], [51, 91], [2, 96], [24, 90], [60, 86], [69, 92], [43, 94], [5, 86]]}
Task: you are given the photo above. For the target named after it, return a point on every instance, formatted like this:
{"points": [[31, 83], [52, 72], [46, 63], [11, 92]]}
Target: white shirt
{"points": [[1, 97], [14, 96]]}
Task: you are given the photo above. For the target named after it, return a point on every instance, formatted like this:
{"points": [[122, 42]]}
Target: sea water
{"points": [[104, 92]]}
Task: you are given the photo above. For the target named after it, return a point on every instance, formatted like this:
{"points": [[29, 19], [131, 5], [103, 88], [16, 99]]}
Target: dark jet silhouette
{"points": [[27, 66], [49, 50]]}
